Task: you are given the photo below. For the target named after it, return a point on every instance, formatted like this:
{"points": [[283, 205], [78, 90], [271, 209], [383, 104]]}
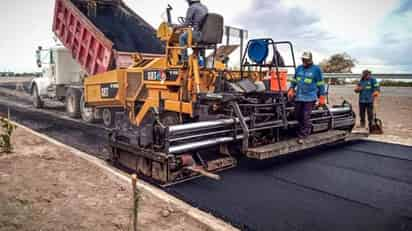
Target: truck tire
{"points": [[108, 116], [87, 113], [37, 102], [73, 96]]}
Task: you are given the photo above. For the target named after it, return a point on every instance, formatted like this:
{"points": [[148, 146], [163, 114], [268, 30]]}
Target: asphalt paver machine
{"points": [[185, 119]]}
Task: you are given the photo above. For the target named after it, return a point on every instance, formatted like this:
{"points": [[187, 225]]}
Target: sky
{"points": [[377, 33]]}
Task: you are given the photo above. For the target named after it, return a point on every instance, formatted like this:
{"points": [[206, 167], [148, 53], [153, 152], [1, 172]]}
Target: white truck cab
{"points": [[60, 70], [61, 80]]}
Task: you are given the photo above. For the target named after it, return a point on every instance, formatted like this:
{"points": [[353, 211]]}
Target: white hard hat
{"points": [[307, 55]]}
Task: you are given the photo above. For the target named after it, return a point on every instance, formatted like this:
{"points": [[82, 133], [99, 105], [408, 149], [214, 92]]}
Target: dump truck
{"points": [[183, 119], [96, 37]]}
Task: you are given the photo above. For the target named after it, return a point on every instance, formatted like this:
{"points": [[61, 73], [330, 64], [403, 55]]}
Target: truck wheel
{"points": [[87, 113], [108, 117], [73, 96], [37, 102]]}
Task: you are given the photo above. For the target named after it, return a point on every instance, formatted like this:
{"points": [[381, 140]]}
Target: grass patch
{"points": [[390, 83], [7, 130]]}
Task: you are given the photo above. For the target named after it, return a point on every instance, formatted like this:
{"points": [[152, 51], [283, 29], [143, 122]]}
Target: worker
{"points": [[368, 90], [195, 16], [305, 88]]}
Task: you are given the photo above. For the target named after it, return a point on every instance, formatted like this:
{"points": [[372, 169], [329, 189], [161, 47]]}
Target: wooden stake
{"points": [[135, 201], [8, 118]]}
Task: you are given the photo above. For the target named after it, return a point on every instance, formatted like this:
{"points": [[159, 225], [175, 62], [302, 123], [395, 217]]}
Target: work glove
{"points": [[322, 100], [358, 89], [291, 94], [376, 94]]}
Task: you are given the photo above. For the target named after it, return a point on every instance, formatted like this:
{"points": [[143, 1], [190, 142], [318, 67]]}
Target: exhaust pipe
{"points": [[195, 127], [334, 110], [179, 149], [199, 126]]}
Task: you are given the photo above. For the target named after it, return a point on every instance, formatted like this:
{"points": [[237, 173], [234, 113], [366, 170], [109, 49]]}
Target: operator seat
{"points": [[211, 31]]}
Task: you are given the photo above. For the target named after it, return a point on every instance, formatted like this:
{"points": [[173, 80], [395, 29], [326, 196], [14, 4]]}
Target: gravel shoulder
{"points": [[45, 187], [394, 108]]}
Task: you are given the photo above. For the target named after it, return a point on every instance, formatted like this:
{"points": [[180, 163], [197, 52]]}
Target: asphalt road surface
{"points": [[358, 186]]}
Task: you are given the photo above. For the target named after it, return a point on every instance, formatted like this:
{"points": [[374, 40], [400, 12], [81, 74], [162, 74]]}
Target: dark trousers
{"points": [[303, 112], [363, 109]]}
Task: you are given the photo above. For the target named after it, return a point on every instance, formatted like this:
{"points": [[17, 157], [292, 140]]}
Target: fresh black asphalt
{"points": [[81, 136], [333, 189], [358, 186], [13, 86]]}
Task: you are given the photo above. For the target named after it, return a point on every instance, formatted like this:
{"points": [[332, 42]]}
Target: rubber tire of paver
{"points": [[73, 96], [87, 113], [108, 116], [37, 102]]}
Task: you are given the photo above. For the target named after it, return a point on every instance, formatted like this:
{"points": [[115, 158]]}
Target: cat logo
{"points": [[163, 77], [152, 75], [109, 90]]}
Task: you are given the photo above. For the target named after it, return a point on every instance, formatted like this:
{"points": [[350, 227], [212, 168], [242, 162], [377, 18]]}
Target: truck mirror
{"points": [[51, 57], [38, 57], [169, 14]]}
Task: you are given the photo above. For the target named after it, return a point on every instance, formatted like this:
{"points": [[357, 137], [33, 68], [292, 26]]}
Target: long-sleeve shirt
{"points": [[308, 82], [195, 15], [368, 87]]}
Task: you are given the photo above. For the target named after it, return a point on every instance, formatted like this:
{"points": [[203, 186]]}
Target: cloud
{"points": [[405, 7], [377, 33], [390, 54], [274, 19], [154, 10], [26, 24], [351, 21], [271, 17], [394, 39]]}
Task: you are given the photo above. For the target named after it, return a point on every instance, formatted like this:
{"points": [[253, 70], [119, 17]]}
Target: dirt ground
{"points": [[15, 79], [45, 187], [394, 108]]}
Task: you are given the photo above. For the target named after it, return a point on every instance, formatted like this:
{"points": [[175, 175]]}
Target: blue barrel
{"points": [[258, 51]]}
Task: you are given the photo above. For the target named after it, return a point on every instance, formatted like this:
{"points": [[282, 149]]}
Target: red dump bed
{"points": [[104, 35]]}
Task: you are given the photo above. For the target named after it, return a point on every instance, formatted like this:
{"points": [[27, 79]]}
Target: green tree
{"points": [[338, 63]]}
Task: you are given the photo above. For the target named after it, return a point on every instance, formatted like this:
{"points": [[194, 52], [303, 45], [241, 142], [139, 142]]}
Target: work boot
{"points": [[183, 60], [370, 126]]}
